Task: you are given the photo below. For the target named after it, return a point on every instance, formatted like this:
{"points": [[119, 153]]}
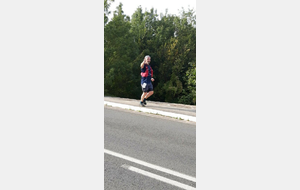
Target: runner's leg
{"points": [[143, 96], [149, 94]]}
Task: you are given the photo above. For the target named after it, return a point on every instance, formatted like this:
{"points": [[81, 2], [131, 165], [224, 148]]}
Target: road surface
{"points": [[144, 151]]}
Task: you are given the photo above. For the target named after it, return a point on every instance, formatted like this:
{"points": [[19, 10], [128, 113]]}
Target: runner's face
{"points": [[148, 59]]}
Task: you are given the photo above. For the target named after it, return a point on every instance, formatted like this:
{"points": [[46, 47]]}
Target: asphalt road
{"points": [[148, 152]]}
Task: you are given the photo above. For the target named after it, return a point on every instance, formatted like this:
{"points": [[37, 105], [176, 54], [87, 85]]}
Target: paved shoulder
{"points": [[179, 111]]}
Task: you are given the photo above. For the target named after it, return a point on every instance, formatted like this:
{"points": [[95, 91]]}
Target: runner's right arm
{"points": [[143, 63]]}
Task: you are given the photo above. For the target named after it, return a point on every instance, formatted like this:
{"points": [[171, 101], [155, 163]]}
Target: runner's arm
{"points": [[143, 63]]}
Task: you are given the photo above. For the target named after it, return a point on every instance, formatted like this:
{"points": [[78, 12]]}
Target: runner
{"points": [[147, 74]]}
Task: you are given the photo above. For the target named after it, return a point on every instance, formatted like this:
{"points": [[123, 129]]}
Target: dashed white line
{"points": [[174, 173], [157, 177]]}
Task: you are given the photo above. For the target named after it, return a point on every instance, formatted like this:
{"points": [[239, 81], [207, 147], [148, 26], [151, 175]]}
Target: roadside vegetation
{"points": [[170, 40]]}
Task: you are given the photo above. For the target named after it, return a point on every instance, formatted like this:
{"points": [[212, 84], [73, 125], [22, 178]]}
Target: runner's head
{"points": [[148, 58]]}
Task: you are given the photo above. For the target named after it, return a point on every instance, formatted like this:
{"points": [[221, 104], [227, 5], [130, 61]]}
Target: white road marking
{"points": [[157, 177], [187, 177], [185, 117]]}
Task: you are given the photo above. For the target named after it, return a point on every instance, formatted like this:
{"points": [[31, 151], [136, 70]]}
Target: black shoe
{"points": [[144, 102]]}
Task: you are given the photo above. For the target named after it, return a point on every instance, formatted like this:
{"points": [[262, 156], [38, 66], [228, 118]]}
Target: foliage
{"points": [[170, 41], [106, 10]]}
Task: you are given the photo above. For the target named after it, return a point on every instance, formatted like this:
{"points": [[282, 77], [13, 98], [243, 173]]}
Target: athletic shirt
{"points": [[146, 74]]}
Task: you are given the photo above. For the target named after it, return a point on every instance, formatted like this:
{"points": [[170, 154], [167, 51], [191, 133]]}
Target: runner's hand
{"points": [[152, 79]]}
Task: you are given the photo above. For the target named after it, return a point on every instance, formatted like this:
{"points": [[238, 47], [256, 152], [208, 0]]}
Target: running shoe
{"points": [[142, 104]]}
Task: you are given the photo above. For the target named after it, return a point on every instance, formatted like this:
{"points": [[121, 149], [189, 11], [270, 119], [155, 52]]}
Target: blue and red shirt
{"points": [[147, 74]]}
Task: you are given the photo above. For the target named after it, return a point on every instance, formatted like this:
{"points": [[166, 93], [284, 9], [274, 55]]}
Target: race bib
{"points": [[144, 85]]}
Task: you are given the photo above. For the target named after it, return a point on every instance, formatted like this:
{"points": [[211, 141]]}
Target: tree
{"points": [[119, 53], [106, 10], [179, 50], [171, 43]]}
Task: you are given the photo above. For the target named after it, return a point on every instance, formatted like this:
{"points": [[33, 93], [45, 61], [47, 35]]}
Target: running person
{"points": [[147, 74]]}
